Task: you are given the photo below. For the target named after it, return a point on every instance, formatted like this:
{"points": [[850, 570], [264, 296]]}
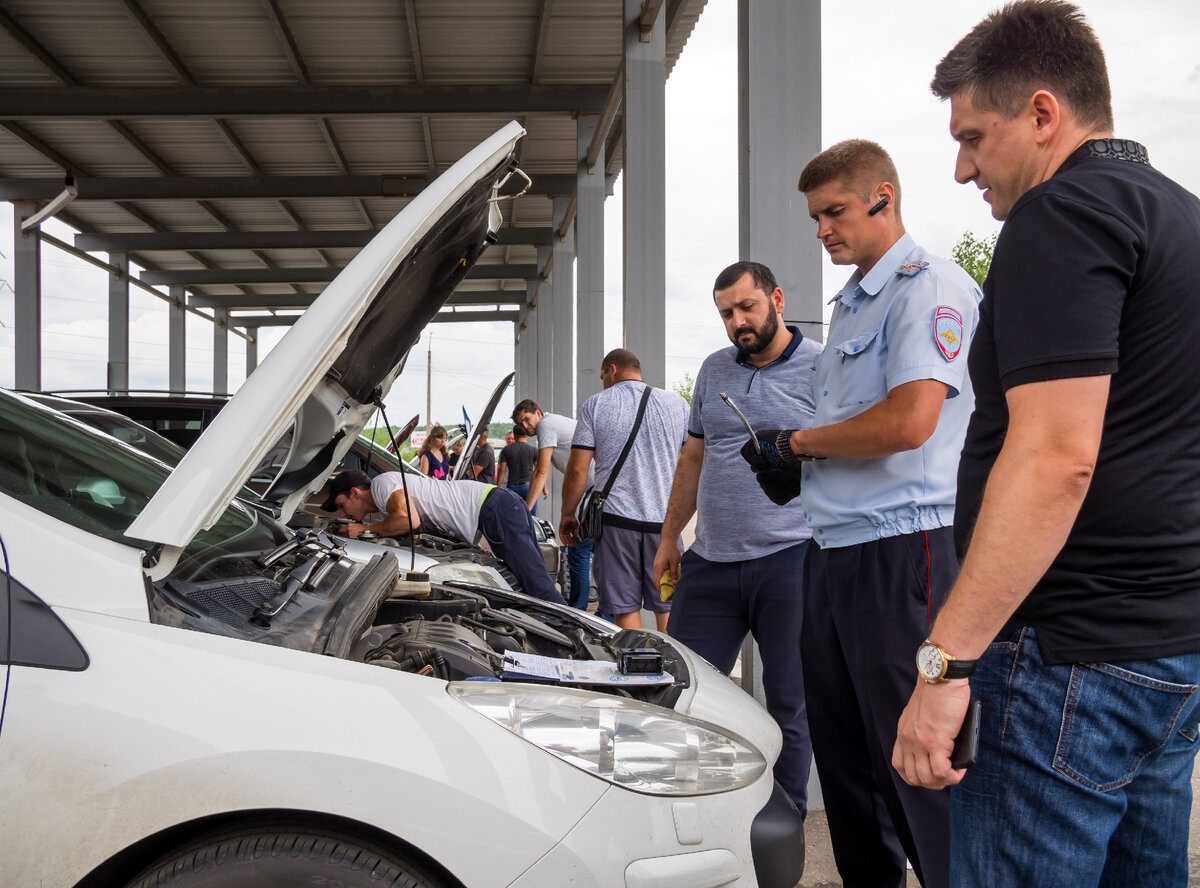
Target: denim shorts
{"points": [[1084, 772]]}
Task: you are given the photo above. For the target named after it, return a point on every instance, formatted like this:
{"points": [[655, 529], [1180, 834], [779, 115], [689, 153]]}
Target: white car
{"points": [[194, 695]]}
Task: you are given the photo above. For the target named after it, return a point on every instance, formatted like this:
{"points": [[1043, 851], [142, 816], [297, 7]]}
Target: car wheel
{"points": [[266, 859]]}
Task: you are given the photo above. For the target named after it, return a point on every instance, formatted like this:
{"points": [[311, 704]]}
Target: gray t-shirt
{"points": [[736, 521], [642, 489], [556, 431]]}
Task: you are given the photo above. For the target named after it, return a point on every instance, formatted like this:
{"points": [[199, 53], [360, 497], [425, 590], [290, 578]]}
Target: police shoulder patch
{"points": [[947, 331], [911, 269]]}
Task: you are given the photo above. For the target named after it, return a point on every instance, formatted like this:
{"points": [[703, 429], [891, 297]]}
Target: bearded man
{"points": [[743, 573]]}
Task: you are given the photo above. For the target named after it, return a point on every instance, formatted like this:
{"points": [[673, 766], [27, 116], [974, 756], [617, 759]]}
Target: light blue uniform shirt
{"points": [[910, 317]]}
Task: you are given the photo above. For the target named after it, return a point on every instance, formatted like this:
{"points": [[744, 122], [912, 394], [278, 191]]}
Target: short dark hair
{"points": [[527, 406], [1026, 46], [764, 279], [622, 359], [858, 164]]}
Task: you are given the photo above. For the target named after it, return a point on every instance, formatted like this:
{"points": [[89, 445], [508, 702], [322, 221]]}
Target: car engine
{"points": [[308, 594]]}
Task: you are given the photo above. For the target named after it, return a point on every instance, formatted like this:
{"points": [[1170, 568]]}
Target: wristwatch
{"points": [[935, 665]]}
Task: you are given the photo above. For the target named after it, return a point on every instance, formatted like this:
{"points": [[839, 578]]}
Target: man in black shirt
{"points": [[483, 463], [516, 465], [1078, 514]]}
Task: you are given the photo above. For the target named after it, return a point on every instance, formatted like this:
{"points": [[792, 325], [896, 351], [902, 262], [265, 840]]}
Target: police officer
{"points": [[892, 403]]}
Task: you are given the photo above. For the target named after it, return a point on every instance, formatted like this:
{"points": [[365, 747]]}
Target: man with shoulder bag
{"points": [[634, 433]]}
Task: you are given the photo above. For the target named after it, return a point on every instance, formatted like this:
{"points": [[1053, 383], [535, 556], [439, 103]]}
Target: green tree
{"points": [[684, 388], [974, 255]]}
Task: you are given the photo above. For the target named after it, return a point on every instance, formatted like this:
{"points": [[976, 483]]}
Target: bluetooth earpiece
{"points": [[883, 202]]}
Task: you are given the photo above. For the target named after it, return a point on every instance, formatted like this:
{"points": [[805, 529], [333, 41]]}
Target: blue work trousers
{"points": [[508, 527], [717, 602], [1084, 772], [522, 490]]}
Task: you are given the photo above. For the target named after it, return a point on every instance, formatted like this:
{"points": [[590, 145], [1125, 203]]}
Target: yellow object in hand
{"points": [[666, 588]]}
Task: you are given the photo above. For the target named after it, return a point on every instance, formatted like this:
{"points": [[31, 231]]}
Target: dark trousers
{"points": [[508, 527], [716, 603], [866, 610], [522, 490]]}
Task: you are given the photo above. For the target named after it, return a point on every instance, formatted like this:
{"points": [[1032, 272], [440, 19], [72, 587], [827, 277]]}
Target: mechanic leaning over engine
{"points": [[460, 509]]}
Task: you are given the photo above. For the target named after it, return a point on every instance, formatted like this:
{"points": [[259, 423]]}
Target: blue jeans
{"points": [[1084, 772], [579, 562], [522, 490]]}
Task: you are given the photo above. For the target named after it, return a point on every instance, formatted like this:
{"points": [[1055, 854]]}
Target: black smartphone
{"points": [[966, 744]]}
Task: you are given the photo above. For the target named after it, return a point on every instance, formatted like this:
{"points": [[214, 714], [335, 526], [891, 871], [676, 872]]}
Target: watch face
{"points": [[930, 661]]}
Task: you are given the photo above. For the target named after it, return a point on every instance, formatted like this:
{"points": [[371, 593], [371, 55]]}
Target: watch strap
{"points": [[959, 668]]}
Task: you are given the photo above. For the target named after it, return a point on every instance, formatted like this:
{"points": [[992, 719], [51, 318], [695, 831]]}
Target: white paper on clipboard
{"points": [[534, 667]]}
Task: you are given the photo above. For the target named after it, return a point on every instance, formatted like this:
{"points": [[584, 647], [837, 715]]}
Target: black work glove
{"points": [[774, 450], [781, 485]]}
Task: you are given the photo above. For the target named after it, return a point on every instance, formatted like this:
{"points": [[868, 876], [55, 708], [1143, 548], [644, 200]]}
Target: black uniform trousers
{"points": [[717, 602], [867, 608]]}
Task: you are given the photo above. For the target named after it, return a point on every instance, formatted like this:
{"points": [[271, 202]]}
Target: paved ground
{"points": [[820, 872]]}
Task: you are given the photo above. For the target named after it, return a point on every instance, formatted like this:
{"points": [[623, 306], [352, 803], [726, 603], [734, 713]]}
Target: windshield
{"points": [[144, 439], [62, 468]]}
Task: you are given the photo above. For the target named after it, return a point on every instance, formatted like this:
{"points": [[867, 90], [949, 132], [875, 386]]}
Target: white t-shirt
{"points": [[451, 506]]}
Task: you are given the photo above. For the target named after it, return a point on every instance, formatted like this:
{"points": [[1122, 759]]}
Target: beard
{"points": [[762, 335]]}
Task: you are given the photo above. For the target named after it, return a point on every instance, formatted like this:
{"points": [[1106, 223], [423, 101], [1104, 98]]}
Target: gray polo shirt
{"points": [[735, 520], [643, 487]]}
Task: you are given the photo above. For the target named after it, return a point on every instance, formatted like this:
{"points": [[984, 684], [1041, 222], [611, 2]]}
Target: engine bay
{"points": [[308, 593]]}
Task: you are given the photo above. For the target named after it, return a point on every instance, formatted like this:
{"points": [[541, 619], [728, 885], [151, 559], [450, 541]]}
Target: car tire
{"points": [[266, 858]]}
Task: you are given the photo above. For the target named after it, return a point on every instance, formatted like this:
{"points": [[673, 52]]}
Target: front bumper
{"points": [[749, 838], [777, 842]]}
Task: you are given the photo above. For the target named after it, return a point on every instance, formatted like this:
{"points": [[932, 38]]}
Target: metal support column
{"points": [[546, 348], [562, 284], [589, 267], [220, 352], [177, 341], [779, 131], [545, 337], [518, 368], [27, 299], [529, 345], [645, 296], [118, 323], [251, 351]]}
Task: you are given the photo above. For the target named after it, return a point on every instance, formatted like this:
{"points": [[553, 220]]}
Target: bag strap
{"points": [[637, 424]]}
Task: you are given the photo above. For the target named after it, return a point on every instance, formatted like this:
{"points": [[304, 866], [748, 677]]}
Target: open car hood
{"points": [[341, 355], [472, 443]]}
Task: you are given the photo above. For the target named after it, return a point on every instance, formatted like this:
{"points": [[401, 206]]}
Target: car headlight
{"points": [[635, 745]]}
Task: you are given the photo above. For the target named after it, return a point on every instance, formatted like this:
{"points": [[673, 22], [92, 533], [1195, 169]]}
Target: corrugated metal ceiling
{"points": [[68, 45]]}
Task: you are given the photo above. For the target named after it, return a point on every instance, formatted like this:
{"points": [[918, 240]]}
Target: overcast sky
{"points": [[877, 59]]}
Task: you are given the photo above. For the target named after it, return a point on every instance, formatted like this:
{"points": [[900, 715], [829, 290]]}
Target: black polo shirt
{"points": [[1097, 272]]}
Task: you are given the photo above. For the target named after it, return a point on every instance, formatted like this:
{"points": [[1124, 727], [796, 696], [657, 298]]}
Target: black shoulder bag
{"points": [[591, 507]]}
